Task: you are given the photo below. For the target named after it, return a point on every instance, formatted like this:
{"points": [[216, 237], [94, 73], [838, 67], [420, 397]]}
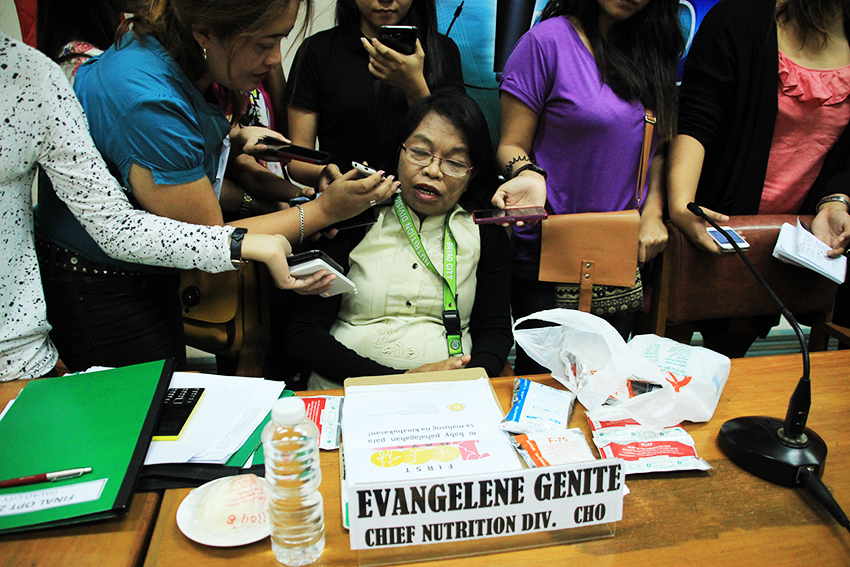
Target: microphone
{"points": [[458, 10], [783, 452]]}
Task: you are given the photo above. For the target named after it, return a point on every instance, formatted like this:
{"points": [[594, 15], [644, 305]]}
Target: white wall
{"points": [[323, 18], [9, 19]]}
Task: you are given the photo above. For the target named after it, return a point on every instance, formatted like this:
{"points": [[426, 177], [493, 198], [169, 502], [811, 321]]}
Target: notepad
{"points": [[799, 247], [103, 420]]}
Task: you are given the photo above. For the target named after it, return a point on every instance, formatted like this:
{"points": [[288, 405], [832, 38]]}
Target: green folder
{"points": [[103, 420]]}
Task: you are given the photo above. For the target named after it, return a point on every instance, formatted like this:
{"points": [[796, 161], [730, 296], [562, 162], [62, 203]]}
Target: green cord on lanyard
{"points": [[451, 316]]}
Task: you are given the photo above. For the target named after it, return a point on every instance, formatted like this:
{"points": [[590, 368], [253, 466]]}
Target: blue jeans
{"points": [[531, 296], [114, 320]]}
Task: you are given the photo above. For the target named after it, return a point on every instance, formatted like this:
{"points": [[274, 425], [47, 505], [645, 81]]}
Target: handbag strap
{"points": [[643, 165]]}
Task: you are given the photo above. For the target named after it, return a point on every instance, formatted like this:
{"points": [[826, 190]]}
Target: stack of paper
{"points": [[799, 247], [230, 410]]}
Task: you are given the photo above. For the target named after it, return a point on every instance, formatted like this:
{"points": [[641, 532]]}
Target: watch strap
{"points": [[833, 199], [236, 238], [532, 167]]}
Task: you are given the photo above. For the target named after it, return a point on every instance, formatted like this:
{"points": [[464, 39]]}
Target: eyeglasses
{"points": [[450, 167]]}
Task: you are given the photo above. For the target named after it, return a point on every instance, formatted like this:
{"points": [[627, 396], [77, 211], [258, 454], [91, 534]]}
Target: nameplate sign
{"points": [[492, 505]]}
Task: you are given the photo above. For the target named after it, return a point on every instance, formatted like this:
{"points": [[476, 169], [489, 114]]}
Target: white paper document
{"points": [[46, 498], [230, 409], [799, 247], [423, 430]]}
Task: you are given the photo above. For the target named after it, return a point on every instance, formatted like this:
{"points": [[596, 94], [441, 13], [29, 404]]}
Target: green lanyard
{"points": [[451, 316]]}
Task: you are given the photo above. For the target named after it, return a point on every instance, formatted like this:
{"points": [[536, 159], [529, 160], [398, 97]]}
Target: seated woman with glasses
{"points": [[433, 288]]}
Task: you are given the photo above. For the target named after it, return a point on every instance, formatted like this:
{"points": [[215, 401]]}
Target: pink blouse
{"points": [[813, 112]]}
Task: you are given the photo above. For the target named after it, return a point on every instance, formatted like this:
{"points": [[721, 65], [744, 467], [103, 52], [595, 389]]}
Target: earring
{"points": [[205, 53]]}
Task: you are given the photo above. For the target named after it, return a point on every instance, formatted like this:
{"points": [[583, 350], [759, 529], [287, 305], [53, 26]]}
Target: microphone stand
{"points": [[783, 452]]}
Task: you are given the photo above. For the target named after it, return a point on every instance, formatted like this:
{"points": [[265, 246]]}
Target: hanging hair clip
{"points": [[205, 53]]}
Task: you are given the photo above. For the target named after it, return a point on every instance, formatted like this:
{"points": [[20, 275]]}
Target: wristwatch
{"points": [[833, 199], [236, 247], [245, 207], [532, 167]]}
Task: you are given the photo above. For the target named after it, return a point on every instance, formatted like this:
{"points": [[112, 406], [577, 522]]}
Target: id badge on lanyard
{"points": [[451, 315]]}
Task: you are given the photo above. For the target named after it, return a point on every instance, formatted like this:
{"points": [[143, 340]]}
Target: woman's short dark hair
{"points": [[639, 57], [463, 112]]}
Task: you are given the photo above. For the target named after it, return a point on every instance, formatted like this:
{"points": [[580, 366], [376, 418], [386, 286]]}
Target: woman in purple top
{"points": [[573, 96]]}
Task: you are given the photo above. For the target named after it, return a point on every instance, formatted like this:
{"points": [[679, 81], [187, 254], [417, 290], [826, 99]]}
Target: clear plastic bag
{"points": [[590, 358]]}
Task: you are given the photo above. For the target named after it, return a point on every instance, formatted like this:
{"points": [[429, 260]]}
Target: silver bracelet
{"points": [[301, 227], [833, 199]]}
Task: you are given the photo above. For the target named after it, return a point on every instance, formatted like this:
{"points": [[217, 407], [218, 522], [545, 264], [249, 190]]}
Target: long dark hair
{"points": [[171, 21], [464, 113], [60, 22], [812, 18], [638, 58], [388, 102]]}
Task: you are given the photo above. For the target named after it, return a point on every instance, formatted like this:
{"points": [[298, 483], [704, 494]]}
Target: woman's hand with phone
{"points": [[273, 250], [351, 194], [249, 140], [405, 72]]}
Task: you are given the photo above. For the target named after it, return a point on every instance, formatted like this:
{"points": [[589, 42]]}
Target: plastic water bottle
{"points": [[293, 476]]}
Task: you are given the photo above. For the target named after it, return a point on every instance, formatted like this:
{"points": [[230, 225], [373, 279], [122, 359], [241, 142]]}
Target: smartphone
{"points": [[498, 216], [723, 243], [364, 170], [309, 262], [277, 149], [399, 38], [177, 408]]}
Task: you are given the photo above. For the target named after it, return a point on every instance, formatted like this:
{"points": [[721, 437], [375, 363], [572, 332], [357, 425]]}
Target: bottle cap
{"points": [[289, 410]]}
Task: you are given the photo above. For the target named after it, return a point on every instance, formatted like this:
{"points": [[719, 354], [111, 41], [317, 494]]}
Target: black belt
{"points": [[56, 257]]}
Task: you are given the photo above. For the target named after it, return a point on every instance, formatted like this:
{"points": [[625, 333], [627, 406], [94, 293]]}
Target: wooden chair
{"points": [[694, 285]]}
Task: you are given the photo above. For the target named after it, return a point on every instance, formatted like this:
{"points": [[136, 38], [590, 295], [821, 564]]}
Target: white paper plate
{"points": [[187, 521]]}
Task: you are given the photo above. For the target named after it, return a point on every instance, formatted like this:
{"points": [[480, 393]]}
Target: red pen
{"points": [[44, 477]]}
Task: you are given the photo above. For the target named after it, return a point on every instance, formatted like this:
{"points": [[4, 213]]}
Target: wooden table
{"points": [[721, 517], [117, 542]]}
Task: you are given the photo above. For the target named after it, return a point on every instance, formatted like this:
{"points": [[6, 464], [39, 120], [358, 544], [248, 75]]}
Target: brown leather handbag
{"points": [[596, 248], [219, 309]]}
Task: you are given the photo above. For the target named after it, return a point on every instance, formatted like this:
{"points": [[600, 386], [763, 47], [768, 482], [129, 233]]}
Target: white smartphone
{"points": [[724, 244], [308, 263], [366, 171], [363, 169]]}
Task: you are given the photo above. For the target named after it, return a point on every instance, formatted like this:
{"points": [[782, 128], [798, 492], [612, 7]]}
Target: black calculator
{"points": [[176, 410]]}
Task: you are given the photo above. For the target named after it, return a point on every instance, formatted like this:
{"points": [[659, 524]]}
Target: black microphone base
{"points": [[754, 444]]}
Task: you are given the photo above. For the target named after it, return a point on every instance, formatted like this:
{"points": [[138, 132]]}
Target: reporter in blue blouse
{"points": [[433, 288], [159, 121]]}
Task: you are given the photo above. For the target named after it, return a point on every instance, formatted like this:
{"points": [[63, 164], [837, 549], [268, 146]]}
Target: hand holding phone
{"points": [[723, 243], [399, 38], [308, 263], [513, 216], [364, 169]]}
